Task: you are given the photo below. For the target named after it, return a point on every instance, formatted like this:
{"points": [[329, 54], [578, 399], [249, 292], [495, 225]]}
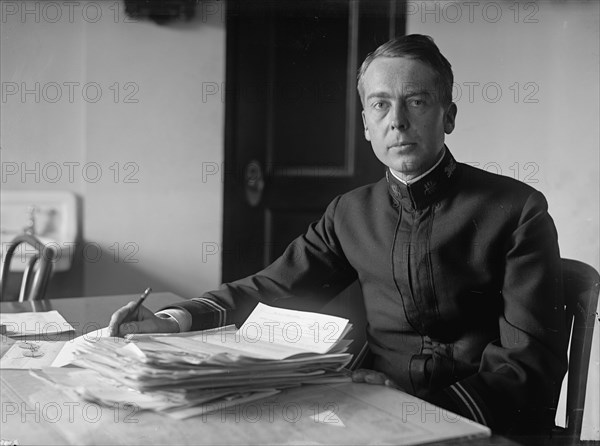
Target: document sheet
{"points": [[34, 324]]}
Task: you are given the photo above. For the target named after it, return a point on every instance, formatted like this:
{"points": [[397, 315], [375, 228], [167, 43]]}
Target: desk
{"points": [[87, 314], [35, 413]]}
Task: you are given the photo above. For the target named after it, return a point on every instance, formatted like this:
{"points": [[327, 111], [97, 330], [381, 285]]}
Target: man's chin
{"points": [[404, 169]]}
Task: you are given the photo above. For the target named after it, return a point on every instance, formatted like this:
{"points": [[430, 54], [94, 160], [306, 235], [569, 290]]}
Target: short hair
{"points": [[419, 47]]}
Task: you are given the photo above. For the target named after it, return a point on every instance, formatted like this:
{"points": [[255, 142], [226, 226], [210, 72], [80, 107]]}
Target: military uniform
{"points": [[460, 274]]}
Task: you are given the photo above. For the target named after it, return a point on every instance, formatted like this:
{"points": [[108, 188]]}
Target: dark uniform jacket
{"points": [[461, 279]]}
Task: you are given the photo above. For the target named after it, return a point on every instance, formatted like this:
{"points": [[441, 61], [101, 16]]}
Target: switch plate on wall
{"points": [[51, 215]]}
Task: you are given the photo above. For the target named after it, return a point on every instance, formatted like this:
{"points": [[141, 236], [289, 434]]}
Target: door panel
{"points": [[308, 77], [293, 117], [293, 130]]}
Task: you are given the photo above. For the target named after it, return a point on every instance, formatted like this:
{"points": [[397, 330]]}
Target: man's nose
{"points": [[399, 118]]}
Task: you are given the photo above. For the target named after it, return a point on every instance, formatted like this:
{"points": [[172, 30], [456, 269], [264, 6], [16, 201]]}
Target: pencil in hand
{"points": [[140, 301]]}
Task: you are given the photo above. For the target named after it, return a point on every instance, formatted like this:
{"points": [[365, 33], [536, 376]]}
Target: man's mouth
{"points": [[402, 145]]}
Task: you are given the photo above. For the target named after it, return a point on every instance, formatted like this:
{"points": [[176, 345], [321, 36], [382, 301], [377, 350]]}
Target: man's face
{"points": [[403, 117]]}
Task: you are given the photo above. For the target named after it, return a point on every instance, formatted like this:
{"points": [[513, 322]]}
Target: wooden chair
{"points": [[37, 273], [581, 285]]}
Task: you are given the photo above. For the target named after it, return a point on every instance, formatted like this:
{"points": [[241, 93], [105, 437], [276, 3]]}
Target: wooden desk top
{"points": [[35, 413], [87, 314]]}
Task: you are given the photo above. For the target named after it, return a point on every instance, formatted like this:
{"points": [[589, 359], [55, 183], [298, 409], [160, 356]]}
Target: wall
{"points": [[527, 90], [131, 123], [527, 94]]}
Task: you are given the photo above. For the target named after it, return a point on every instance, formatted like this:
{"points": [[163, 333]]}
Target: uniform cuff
{"points": [[181, 316], [462, 399], [204, 313]]}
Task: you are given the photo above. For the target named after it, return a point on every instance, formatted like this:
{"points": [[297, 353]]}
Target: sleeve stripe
{"points": [[469, 402], [464, 402], [213, 305]]}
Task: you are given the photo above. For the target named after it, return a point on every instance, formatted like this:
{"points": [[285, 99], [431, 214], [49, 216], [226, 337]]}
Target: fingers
{"points": [[145, 326], [372, 377], [389, 383], [147, 322], [358, 375], [118, 318], [126, 314], [368, 376]]}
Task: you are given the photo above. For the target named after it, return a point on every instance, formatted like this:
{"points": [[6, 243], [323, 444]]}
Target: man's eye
{"points": [[416, 102], [379, 105]]}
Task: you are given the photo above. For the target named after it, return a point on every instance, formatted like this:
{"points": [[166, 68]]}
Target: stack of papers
{"points": [[187, 374]]}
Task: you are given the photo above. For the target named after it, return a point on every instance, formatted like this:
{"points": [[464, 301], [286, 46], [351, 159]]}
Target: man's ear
{"points": [[367, 135], [450, 118]]}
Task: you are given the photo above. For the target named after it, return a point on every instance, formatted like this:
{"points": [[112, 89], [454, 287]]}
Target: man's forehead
{"points": [[399, 73]]}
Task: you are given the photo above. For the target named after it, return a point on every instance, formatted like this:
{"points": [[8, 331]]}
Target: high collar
{"points": [[426, 190]]}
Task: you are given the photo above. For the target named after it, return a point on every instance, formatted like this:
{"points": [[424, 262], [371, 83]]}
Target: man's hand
{"points": [[127, 321], [373, 377]]}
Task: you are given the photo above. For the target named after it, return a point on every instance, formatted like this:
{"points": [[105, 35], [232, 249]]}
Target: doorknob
{"points": [[254, 182]]}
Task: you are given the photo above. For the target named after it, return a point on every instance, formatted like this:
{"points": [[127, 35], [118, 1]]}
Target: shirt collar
{"points": [[426, 189], [415, 179]]}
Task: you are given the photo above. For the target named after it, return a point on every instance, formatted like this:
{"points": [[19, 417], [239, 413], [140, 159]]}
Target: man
{"points": [[459, 268]]}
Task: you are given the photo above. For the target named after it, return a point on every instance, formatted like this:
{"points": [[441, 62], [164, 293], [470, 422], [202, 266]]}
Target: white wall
{"points": [[550, 51], [151, 231], [547, 53]]}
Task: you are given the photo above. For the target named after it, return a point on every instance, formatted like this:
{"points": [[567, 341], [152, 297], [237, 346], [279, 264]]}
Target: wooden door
{"points": [[293, 133]]}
